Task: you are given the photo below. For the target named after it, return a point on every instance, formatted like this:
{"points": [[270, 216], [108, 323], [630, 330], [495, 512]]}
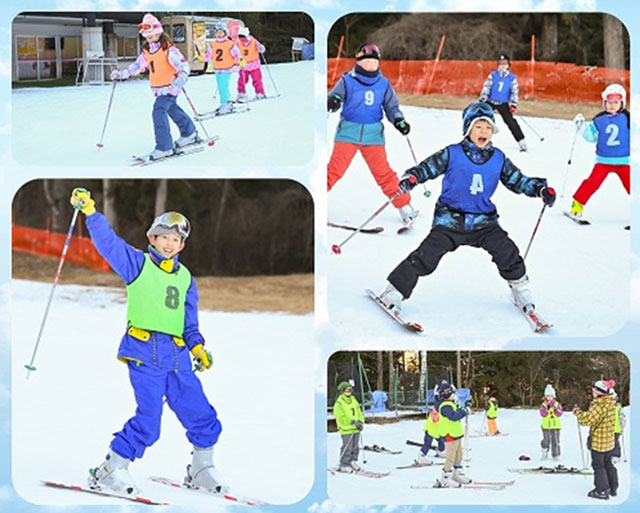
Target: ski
{"points": [[536, 323], [413, 327], [559, 469], [376, 229], [144, 160], [420, 465], [495, 483], [237, 109], [361, 472], [106, 493], [254, 99], [487, 435], [380, 449], [226, 496], [471, 486], [577, 220]]}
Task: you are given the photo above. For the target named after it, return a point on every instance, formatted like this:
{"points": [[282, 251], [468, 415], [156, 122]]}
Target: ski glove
{"points": [[512, 109], [358, 425], [575, 409], [578, 121], [402, 126], [407, 183], [548, 195], [203, 360], [81, 199], [333, 103], [120, 74]]}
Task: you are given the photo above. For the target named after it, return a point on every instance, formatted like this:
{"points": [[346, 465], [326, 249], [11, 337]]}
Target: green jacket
{"points": [[492, 409], [345, 410]]}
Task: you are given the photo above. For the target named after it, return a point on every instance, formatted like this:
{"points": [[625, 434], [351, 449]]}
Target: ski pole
{"points": [[531, 128], [337, 248], [270, 76], [364, 456], [534, 232], [106, 118], [30, 367], [197, 116], [580, 441], [344, 447], [427, 192], [566, 174]]}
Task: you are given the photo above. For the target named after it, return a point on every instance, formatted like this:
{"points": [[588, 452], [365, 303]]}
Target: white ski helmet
{"points": [[615, 91]]}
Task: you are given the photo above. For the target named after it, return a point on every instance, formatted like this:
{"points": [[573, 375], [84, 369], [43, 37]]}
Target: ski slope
{"points": [[491, 457], [65, 413], [62, 125], [579, 274]]}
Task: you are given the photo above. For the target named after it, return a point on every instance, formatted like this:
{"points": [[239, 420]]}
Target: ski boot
{"points": [[181, 142], [613, 492], [225, 108], [242, 97], [422, 459], [446, 481], [113, 474], [202, 472], [260, 96], [441, 454], [392, 299], [355, 466], [160, 154], [577, 210], [408, 215], [595, 494], [521, 294], [522, 144], [347, 469], [458, 475], [544, 454]]}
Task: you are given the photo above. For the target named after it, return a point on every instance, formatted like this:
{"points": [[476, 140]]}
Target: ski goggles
{"points": [[146, 27], [613, 97], [368, 51], [170, 222], [482, 108]]}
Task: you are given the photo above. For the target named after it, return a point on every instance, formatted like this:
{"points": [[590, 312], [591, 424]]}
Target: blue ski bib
{"points": [[501, 87], [613, 135], [364, 98]]}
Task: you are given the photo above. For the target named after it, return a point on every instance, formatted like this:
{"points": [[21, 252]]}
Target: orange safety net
{"points": [[46, 243], [540, 80]]}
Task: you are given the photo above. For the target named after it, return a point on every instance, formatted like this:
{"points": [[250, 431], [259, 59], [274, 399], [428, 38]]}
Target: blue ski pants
{"points": [[428, 439], [223, 79], [185, 396], [166, 107]]}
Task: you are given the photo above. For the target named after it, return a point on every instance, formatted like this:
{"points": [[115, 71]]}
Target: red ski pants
{"points": [[376, 159], [597, 176]]}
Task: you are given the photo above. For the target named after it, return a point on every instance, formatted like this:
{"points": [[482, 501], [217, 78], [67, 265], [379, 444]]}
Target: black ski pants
{"points": [[605, 474], [424, 260], [512, 124], [617, 450]]}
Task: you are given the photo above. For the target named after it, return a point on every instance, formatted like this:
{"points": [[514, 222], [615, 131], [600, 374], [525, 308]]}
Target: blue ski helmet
{"points": [[445, 390], [476, 111]]}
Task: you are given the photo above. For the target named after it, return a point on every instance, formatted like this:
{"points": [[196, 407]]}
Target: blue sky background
{"points": [[324, 13]]}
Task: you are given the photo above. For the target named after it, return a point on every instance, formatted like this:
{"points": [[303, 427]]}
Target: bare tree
{"points": [[109, 202], [380, 371], [161, 197], [613, 32], [549, 37]]}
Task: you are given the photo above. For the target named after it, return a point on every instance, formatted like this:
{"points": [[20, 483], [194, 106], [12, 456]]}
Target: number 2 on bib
{"points": [[476, 184]]}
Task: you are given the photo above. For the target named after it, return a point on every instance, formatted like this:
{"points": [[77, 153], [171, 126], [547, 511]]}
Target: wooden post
{"points": [[335, 68], [532, 65], [435, 63]]}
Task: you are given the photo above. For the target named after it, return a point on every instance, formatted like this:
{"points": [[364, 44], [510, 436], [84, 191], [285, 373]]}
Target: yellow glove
{"points": [[242, 63], [81, 199], [202, 357]]}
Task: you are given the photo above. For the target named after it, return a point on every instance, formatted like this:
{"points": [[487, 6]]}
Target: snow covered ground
{"points": [[490, 460], [61, 126], [579, 274], [64, 414]]}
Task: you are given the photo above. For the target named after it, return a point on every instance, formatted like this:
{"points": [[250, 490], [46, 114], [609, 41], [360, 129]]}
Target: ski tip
{"points": [[211, 143], [100, 145], [336, 249]]}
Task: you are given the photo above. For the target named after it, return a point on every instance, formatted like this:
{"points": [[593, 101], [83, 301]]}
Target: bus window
{"points": [[179, 33]]}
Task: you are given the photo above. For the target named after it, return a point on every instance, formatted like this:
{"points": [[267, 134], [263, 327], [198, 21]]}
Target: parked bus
{"points": [[192, 34]]}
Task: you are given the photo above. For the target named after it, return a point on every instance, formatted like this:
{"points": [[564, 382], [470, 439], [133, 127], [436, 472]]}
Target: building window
{"points": [[70, 52], [27, 58], [127, 47]]}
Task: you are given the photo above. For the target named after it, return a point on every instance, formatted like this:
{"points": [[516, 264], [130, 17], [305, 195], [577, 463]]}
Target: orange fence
{"points": [[47, 243], [540, 80]]}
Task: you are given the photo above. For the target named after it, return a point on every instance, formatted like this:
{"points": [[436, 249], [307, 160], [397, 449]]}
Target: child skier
{"points": [[621, 421], [224, 56], [610, 131], [350, 421], [451, 429], [364, 93], [601, 419], [162, 329], [431, 433], [550, 411], [501, 90], [492, 416], [250, 50], [464, 214], [168, 72]]}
